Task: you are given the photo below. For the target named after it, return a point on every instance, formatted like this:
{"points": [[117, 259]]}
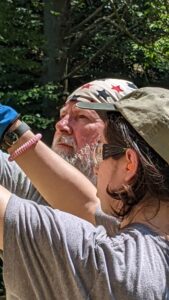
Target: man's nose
{"points": [[63, 125]]}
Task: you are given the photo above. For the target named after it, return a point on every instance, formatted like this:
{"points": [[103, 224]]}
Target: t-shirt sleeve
{"points": [[110, 223], [47, 251], [15, 180], [48, 245]]}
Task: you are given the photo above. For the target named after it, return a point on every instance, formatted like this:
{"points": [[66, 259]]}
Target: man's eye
{"points": [[62, 116], [82, 117]]}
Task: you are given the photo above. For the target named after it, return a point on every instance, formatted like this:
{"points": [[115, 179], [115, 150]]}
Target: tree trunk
{"points": [[56, 23]]}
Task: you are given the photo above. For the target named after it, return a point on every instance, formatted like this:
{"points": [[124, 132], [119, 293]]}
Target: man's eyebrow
{"points": [[63, 110], [77, 109]]}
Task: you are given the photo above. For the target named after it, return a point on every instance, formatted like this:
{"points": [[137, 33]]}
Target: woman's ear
{"points": [[131, 164]]}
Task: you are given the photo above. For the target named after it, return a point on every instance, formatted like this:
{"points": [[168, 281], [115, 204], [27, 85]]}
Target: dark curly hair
{"points": [[152, 176]]}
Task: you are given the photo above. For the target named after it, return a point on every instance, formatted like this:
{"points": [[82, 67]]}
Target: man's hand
{"points": [[7, 117]]}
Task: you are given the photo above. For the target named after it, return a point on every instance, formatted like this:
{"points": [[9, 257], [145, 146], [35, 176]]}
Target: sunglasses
{"points": [[104, 151]]}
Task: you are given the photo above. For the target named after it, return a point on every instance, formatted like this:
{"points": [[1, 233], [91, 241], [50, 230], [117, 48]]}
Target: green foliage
{"points": [[21, 43], [38, 106], [126, 39], [103, 38], [122, 34]]}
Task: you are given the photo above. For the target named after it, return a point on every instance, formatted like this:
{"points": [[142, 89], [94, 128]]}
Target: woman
{"points": [[49, 254]]}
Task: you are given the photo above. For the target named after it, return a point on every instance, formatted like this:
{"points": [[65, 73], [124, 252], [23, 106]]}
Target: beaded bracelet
{"points": [[33, 141]]}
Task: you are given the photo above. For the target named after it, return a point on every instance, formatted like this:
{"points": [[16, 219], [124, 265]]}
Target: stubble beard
{"points": [[83, 161]]}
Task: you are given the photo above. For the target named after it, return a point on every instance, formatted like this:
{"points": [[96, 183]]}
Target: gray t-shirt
{"points": [[49, 254], [15, 180]]}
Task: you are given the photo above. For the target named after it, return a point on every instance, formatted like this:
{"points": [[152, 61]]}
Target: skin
{"points": [[77, 132], [78, 126], [114, 174], [60, 174], [121, 172], [109, 174], [74, 130]]}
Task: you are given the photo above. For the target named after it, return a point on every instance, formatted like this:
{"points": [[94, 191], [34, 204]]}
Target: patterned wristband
{"points": [[25, 147]]}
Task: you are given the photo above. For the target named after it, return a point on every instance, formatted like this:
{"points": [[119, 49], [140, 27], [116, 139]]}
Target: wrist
{"points": [[22, 140], [24, 147], [13, 135], [14, 125]]}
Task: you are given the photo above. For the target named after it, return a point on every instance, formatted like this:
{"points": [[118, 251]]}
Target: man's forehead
{"points": [[67, 105], [70, 107]]}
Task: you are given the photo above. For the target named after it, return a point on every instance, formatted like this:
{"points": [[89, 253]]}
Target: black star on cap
{"points": [[75, 97], [131, 85], [104, 94]]}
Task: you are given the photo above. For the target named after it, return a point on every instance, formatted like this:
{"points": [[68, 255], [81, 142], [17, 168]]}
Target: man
{"points": [[50, 254], [79, 130], [76, 133]]}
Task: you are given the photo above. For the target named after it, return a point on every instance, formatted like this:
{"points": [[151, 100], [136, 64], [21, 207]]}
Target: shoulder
{"points": [[4, 157], [110, 223], [126, 258], [39, 216], [5, 164]]}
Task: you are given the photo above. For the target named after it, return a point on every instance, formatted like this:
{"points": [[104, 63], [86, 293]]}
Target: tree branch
{"points": [[90, 29], [90, 60], [89, 18]]}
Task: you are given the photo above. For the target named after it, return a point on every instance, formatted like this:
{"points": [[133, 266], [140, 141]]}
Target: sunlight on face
{"points": [[64, 145], [76, 128], [111, 175], [77, 131]]}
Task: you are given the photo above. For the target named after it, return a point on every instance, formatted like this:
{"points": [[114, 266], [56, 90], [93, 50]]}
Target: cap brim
{"points": [[97, 106]]}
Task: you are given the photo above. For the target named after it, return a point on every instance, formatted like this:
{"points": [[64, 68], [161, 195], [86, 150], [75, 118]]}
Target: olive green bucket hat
{"points": [[147, 110]]}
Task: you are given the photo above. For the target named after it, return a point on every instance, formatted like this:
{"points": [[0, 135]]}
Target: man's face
{"points": [[76, 133]]}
